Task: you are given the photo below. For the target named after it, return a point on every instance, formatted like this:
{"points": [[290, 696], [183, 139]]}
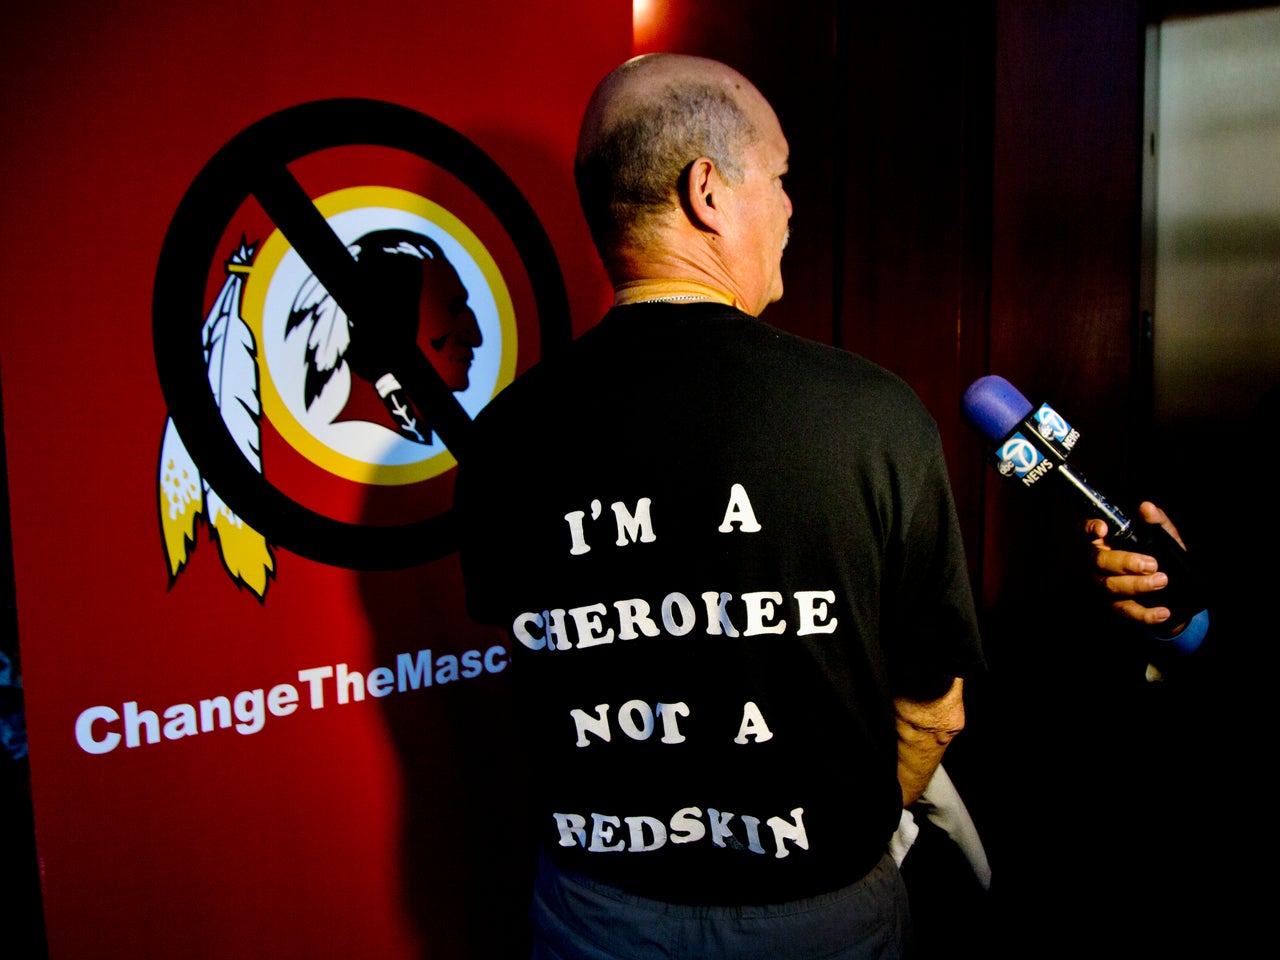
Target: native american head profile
{"points": [[416, 301]]}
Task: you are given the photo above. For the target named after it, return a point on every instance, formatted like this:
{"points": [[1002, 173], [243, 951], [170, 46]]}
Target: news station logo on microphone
{"points": [[1018, 457], [1053, 427]]}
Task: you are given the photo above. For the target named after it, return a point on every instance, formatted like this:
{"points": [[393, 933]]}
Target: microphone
{"points": [[1034, 443]]}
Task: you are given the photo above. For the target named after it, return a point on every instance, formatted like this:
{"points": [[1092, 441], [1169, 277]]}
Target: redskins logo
{"points": [[322, 387], [321, 379]]}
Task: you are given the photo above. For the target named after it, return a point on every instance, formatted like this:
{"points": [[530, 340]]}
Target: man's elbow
{"points": [[940, 719]]}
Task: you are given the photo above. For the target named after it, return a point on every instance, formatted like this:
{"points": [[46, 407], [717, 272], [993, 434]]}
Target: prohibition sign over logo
{"points": [[254, 163]]}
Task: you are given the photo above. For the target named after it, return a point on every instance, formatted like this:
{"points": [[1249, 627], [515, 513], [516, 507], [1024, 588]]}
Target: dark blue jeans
{"points": [[576, 918]]}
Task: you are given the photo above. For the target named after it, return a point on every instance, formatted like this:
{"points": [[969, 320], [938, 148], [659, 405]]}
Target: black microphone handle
{"points": [[1184, 594]]}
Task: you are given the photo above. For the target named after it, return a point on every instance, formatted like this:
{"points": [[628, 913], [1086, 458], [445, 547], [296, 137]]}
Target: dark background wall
{"points": [[967, 180], [966, 185]]}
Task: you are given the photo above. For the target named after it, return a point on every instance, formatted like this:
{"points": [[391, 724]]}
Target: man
{"points": [[729, 563]]}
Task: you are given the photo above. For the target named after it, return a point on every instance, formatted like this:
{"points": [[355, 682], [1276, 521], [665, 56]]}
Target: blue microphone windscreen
{"points": [[994, 406]]}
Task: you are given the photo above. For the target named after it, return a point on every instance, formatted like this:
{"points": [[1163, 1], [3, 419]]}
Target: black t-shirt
{"points": [[720, 551]]}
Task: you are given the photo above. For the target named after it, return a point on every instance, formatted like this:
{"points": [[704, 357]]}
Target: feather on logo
{"points": [[231, 360]]}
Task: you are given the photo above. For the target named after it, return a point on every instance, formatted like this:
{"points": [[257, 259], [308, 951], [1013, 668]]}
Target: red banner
{"points": [[259, 718]]}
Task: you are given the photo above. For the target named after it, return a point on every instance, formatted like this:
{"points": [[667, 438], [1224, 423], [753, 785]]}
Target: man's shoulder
{"points": [[821, 358], [644, 346], [818, 371]]}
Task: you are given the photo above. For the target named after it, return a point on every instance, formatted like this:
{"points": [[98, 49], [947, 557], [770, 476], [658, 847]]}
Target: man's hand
{"points": [[924, 731], [1127, 575]]}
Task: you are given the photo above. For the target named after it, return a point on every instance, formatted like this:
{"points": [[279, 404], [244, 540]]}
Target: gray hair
{"points": [[630, 176]]}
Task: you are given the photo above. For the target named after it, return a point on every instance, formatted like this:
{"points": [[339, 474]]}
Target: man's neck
{"points": [[674, 259], [661, 290]]}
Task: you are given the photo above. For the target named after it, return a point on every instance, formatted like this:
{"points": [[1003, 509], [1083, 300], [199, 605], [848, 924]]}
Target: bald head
{"points": [[646, 123]]}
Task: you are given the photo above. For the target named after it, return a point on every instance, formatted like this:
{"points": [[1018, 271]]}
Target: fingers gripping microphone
{"points": [[1032, 444]]}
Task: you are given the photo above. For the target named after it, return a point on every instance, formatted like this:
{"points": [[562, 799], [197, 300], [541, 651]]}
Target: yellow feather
{"points": [[181, 503], [244, 550]]}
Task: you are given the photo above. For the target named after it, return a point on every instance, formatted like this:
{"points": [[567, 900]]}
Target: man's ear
{"points": [[702, 195]]}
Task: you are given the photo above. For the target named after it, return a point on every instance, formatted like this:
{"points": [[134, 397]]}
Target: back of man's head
{"points": [[646, 123]]}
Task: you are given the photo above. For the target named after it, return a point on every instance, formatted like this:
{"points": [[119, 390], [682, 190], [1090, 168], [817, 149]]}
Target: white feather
{"points": [[179, 476], [232, 359], [330, 334], [327, 332]]}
